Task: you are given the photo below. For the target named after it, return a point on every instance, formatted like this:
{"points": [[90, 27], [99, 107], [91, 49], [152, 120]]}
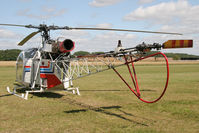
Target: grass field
{"points": [[106, 105]]}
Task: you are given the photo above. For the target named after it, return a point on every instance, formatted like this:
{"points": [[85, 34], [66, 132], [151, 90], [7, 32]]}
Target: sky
{"points": [[179, 16]]}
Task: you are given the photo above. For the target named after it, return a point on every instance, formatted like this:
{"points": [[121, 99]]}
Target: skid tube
{"points": [[25, 95], [134, 77]]}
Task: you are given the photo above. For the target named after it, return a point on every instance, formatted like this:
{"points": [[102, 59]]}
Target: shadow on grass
{"points": [[103, 110], [5, 95], [118, 90], [104, 90], [48, 95], [148, 90], [41, 94], [18, 91]]}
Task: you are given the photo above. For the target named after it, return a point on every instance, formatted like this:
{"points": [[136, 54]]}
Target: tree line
{"points": [[12, 54], [9, 55]]}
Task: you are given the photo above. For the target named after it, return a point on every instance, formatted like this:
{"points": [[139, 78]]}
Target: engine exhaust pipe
{"points": [[66, 46]]}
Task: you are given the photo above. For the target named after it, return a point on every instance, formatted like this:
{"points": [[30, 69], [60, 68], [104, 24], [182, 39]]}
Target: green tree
{"points": [[81, 53], [9, 55], [94, 53]]}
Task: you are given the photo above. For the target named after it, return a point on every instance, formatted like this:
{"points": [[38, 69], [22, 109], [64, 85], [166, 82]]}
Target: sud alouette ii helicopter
{"points": [[50, 66]]}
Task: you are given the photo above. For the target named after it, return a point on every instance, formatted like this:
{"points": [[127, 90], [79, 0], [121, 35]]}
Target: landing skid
{"points": [[25, 96], [73, 90]]}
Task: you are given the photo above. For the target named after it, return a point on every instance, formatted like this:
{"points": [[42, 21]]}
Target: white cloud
{"points": [[101, 3], [46, 13], [74, 33], [165, 12], [179, 13], [6, 34], [108, 41], [48, 9], [145, 1], [101, 25], [104, 25], [25, 0]]}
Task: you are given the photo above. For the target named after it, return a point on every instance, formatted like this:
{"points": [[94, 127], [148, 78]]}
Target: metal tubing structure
{"points": [[75, 68], [83, 67], [135, 81]]}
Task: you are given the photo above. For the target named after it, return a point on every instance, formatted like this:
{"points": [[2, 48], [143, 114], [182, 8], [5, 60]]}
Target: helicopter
{"points": [[51, 67]]}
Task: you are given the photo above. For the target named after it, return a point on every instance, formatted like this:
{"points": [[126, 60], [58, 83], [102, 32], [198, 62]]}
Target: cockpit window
{"points": [[19, 67], [30, 53], [20, 57]]}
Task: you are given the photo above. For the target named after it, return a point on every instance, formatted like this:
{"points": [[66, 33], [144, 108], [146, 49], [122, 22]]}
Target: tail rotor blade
{"points": [[27, 38], [178, 44]]}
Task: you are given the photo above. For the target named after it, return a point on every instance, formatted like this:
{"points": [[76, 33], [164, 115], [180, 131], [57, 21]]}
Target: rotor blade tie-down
{"points": [[134, 79], [133, 67], [137, 92]]}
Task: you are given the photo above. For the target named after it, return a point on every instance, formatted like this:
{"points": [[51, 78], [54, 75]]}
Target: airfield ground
{"points": [[177, 62], [106, 105]]}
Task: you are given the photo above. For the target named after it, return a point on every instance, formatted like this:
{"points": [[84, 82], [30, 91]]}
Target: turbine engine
{"points": [[65, 46]]}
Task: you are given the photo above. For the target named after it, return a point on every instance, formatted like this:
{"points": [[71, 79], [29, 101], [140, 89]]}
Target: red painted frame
{"points": [[135, 81]]}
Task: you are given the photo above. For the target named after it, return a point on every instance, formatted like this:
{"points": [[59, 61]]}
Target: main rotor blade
{"points": [[42, 27], [17, 25], [27, 38], [70, 28]]}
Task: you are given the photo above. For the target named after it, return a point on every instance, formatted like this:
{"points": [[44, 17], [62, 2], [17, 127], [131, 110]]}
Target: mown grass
{"points": [[107, 105]]}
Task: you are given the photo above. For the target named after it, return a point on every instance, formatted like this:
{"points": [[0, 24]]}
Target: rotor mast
{"points": [[45, 31]]}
